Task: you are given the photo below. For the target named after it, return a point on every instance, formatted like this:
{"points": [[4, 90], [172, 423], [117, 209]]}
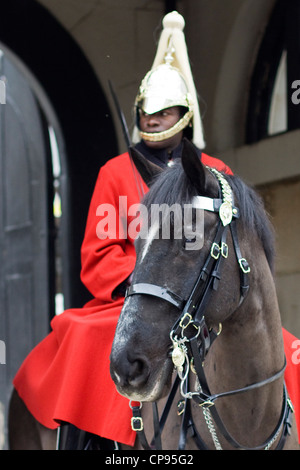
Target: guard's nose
{"points": [[152, 120]]}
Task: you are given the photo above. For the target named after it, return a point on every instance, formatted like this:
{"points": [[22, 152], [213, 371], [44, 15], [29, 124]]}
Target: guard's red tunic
{"points": [[66, 376]]}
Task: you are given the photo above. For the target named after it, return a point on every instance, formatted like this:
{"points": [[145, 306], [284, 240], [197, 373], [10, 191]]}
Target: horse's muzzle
{"points": [[130, 374]]}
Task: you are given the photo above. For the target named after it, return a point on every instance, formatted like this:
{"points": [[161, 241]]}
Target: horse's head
{"points": [[168, 268]]}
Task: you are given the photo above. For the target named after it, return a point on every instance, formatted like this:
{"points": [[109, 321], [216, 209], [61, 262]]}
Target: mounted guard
{"points": [[65, 381]]}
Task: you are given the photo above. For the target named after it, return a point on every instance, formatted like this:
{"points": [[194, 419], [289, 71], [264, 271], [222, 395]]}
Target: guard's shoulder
{"points": [[117, 162]]}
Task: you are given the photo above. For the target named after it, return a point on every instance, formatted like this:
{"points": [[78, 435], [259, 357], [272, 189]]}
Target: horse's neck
{"points": [[249, 350], [255, 331]]}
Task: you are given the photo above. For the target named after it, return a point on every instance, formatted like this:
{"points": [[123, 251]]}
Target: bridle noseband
{"points": [[190, 350]]}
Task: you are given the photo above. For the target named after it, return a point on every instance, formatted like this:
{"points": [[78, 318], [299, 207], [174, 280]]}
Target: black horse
{"points": [[211, 312]]}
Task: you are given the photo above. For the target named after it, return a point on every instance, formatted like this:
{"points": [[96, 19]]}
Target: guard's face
{"points": [[159, 122]]}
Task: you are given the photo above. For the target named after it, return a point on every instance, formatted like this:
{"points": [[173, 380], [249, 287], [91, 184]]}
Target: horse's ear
{"points": [[146, 169], [192, 166]]}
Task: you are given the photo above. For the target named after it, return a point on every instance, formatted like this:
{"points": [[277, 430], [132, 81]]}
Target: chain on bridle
{"points": [[192, 339]]}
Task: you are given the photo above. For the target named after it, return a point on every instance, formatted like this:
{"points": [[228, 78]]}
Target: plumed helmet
{"points": [[170, 83], [162, 88]]}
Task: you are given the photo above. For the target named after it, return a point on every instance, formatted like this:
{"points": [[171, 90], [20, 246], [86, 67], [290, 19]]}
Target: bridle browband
{"points": [[189, 351]]}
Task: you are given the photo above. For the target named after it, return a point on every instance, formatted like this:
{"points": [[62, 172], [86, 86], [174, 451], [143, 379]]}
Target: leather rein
{"points": [[192, 339]]}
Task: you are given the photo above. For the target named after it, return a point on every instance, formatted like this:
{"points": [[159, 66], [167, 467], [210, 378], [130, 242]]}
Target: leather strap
{"points": [[156, 291], [137, 425], [235, 444], [243, 264]]}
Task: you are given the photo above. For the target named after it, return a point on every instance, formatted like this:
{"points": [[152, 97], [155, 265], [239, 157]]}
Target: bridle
{"points": [[192, 339]]}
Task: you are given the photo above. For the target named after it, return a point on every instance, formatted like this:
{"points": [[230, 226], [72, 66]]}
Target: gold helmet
{"points": [[170, 83]]}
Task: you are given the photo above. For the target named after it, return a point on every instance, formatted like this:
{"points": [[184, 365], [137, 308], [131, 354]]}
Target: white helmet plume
{"points": [[171, 60]]}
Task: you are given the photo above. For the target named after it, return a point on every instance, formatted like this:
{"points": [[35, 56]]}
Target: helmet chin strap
{"points": [[160, 136]]}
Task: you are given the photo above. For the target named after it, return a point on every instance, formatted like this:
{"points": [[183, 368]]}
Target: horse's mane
{"points": [[172, 186]]}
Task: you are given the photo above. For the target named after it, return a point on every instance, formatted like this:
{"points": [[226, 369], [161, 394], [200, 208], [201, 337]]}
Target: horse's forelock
{"points": [[170, 187]]}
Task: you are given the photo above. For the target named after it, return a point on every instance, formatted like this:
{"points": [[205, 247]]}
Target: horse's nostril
{"points": [[129, 370], [138, 372]]}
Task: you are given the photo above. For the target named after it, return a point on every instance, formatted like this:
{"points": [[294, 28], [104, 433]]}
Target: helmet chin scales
{"points": [[164, 135]]}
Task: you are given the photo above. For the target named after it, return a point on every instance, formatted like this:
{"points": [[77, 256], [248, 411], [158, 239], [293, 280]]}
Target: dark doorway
{"points": [[26, 220], [52, 94], [74, 91]]}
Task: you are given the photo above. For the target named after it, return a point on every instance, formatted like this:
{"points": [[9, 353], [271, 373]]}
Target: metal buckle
{"points": [[137, 424], [180, 407], [215, 251], [244, 265], [207, 404], [224, 250], [185, 321], [290, 405], [136, 421]]}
